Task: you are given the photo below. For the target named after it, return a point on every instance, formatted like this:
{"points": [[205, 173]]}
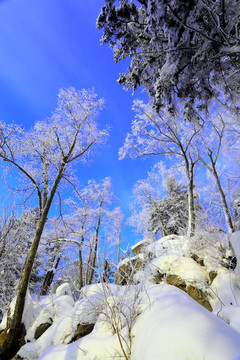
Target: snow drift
{"points": [[147, 318]]}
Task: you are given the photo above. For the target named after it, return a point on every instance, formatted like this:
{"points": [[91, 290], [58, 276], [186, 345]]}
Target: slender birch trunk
{"points": [[95, 247], [191, 209], [228, 219]]}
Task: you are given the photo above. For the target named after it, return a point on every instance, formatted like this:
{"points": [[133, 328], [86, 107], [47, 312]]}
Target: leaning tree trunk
{"points": [[49, 277], [230, 227], [11, 341], [80, 257], [87, 271], [191, 210], [94, 256], [80, 268]]}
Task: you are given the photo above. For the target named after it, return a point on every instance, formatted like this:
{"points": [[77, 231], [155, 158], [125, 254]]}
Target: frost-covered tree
{"points": [[16, 235], [145, 196], [164, 135], [79, 227], [169, 215], [161, 203], [101, 195], [42, 155], [113, 230], [236, 209], [93, 227], [211, 148], [10, 266], [187, 50], [53, 253]]}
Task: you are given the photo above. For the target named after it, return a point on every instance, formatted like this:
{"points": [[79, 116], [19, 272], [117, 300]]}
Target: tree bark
{"points": [[213, 170], [95, 247], [45, 184], [11, 339], [49, 277], [88, 267], [163, 230], [222, 13], [191, 210], [229, 223], [80, 268]]}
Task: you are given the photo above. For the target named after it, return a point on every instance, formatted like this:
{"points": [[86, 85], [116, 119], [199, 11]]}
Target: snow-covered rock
{"points": [[147, 317], [169, 325], [176, 327]]}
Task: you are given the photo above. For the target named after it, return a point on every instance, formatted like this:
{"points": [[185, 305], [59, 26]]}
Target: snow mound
{"points": [[176, 327], [186, 268], [64, 289], [148, 319], [170, 325]]}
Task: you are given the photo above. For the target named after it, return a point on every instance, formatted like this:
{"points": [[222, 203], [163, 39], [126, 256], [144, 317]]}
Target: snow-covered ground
{"points": [[148, 319]]}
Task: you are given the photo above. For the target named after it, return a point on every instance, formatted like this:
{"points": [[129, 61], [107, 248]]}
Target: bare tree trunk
{"points": [[45, 184], [11, 343], [4, 233], [80, 268], [80, 258], [222, 13], [191, 209], [163, 230], [213, 170], [230, 227], [105, 276], [118, 246], [88, 266], [49, 277], [95, 247]]}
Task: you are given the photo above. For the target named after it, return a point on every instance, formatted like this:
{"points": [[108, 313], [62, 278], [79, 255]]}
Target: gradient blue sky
{"points": [[50, 44]]}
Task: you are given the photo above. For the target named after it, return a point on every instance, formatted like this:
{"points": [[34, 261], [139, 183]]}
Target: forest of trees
{"points": [[186, 56]]}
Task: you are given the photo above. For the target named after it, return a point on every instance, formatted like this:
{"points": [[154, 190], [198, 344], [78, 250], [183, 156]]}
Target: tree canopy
{"points": [[179, 49]]}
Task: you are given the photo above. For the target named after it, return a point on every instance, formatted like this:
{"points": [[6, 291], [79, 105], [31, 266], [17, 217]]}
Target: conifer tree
{"points": [[170, 214], [179, 49]]}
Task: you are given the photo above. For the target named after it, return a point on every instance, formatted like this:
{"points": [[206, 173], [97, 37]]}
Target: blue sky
{"points": [[46, 45]]}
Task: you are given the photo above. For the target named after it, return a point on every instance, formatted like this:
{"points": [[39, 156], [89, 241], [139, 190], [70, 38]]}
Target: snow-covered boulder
{"points": [[235, 243], [175, 327], [154, 315], [191, 264], [138, 248], [168, 325], [128, 267]]}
